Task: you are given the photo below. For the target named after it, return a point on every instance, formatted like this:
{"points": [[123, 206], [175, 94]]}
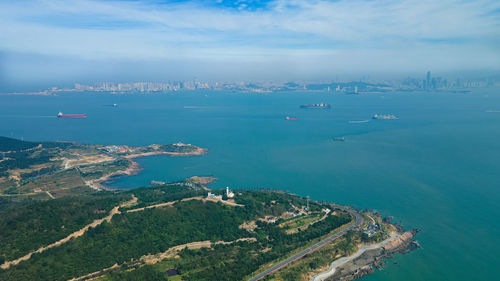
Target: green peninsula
{"points": [[55, 169], [173, 231]]}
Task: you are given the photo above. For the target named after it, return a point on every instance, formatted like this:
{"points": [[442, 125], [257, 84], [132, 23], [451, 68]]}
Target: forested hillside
{"points": [[136, 236]]}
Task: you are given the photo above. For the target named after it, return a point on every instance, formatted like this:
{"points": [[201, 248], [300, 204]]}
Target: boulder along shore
{"points": [[366, 262]]}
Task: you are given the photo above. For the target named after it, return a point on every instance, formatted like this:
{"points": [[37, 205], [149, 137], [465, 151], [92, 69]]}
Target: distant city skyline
{"points": [[360, 86], [43, 43]]}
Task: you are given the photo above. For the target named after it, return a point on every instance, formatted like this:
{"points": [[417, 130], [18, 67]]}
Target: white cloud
{"points": [[356, 34]]}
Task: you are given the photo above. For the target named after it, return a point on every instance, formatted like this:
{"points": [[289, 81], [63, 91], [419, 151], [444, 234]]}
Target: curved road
{"points": [[359, 221]]}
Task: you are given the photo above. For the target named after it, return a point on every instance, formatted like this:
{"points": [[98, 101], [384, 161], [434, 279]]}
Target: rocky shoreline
{"points": [[367, 262], [99, 184], [134, 168]]}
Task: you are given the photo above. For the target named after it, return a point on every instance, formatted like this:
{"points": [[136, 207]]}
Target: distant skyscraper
{"points": [[428, 80]]}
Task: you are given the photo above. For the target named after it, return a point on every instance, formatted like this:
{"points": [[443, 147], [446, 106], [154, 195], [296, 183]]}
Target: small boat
{"points": [[339, 139], [358, 121], [291, 118], [316, 106], [61, 115], [385, 117]]}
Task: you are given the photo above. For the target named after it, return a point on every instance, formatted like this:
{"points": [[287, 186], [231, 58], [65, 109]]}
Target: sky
{"points": [[53, 42]]}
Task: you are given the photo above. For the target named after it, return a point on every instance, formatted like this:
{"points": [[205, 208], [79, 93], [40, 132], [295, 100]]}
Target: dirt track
{"points": [[97, 222], [230, 203], [75, 234]]}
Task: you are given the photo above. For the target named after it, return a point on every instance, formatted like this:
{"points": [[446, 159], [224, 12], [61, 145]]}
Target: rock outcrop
{"points": [[366, 263], [402, 244]]}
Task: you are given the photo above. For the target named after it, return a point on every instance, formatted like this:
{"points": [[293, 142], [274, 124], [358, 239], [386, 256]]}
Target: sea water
{"points": [[437, 168]]}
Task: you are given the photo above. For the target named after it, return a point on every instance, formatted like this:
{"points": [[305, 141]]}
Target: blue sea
{"points": [[437, 168]]}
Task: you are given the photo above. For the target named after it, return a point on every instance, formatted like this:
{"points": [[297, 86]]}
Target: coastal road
{"points": [[359, 221]]}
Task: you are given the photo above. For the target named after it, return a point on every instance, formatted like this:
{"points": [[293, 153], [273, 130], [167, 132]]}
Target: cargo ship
{"points": [[291, 118], [318, 105], [61, 115], [385, 117]]}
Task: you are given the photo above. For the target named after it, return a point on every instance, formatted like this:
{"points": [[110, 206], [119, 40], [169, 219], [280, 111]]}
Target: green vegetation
{"points": [[146, 272], [22, 160], [343, 246], [274, 203], [28, 163], [31, 225], [132, 235], [223, 262], [164, 193], [234, 240], [18, 154], [177, 148], [8, 144], [301, 220], [265, 226], [100, 169], [27, 168], [58, 181]]}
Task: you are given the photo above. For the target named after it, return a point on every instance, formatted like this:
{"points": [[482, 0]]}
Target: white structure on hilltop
{"points": [[229, 193], [210, 195]]}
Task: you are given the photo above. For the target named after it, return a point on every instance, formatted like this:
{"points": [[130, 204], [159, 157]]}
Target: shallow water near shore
{"points": [[435, 169]]}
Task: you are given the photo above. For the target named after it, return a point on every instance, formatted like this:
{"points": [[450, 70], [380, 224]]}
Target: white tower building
{"points": [[229, 193]]}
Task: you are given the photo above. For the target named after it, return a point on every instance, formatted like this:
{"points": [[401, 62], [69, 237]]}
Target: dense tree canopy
{"points": [[131, 235]]}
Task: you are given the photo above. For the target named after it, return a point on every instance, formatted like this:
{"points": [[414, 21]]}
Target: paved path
{"points": [[359, 221]]}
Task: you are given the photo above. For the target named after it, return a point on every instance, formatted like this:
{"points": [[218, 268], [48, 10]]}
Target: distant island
{"points": [[73, 228], [56, 169]]}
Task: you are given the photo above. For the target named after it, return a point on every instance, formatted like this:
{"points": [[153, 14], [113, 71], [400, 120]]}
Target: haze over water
{"points": [[435, 169]]}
